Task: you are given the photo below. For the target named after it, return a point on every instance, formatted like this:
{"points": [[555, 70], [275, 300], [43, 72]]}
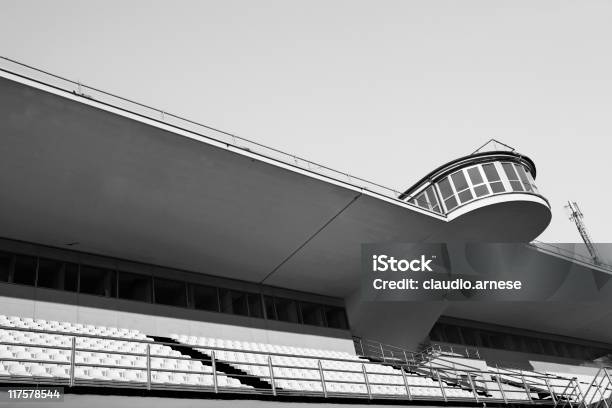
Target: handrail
{"points": [[78, 88], [569, 255], [359, 369], [374, 348]]}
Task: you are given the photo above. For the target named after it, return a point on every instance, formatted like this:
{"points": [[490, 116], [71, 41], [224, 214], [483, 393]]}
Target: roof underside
{"points": [[74, 173], [74, 170]]}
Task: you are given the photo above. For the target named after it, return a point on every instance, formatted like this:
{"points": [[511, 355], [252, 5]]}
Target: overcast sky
{"points": [[385, 90]]}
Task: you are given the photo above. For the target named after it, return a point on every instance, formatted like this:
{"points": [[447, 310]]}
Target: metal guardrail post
{"points": [[271, 375], [594, 387], [406, 384], [72, 360], [322, 379], [367, 382], [527, 390], [148, 366], [361, 345], [469, 376], [604, 398], [405, 357], [441, 385], [501, 389], [564, 393], [382, 351], [213, 360], [550, 390], [578, 391]]}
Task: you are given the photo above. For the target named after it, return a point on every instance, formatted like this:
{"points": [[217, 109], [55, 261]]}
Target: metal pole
{"points": [[469, 376], [72, 360], [148, 366], [382, 351], [405, 357], [271, 375], [406, 384], [563, 393], [592, 386], [597, 389], [367, 382], [578, 391], [550, 390], [441, 385], [322, 379], [526, 388], [501, 389], [603, 395], [214, 370]]}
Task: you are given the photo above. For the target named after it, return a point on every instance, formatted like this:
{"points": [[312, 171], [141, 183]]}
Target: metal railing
{"points": [[286, 374], [91, 93], [570, 255], [599, 392], [390, 353]]}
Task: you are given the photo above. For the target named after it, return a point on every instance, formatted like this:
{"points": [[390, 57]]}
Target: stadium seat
{"points": [[53, 349]]}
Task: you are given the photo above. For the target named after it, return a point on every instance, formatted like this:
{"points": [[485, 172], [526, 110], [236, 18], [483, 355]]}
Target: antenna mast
{"points": [[576, 216]]}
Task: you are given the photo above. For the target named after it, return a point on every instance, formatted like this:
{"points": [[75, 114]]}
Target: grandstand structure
{"points": [[142, 253]]}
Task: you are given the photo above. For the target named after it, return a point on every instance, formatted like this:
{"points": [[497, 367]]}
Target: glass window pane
{"points": [[255, 309], [481, 190], [51, 274], [450, 203], [170, 292], [497, 187], [336, 317], [445, 188], [270, 308], [422, 201], [97, 281], [6, 261], [71, 277], [523, 176], [312, 314], [490, 172], [286, 310], [134, 286], [234, 302], [24, 270], [459, 181], [516, 185], [510, 172], [204, 298], [465, 196], [532, 182], [431, 196], [475, 175]]}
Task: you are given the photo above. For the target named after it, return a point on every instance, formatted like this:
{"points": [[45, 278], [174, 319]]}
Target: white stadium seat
{"points": [[46, 358]]}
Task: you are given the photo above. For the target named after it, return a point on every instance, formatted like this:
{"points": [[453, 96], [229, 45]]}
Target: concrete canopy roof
{"points": [[73, 170]]}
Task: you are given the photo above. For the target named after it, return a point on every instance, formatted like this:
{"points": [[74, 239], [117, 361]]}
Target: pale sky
{"points": [[385, 90]]}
